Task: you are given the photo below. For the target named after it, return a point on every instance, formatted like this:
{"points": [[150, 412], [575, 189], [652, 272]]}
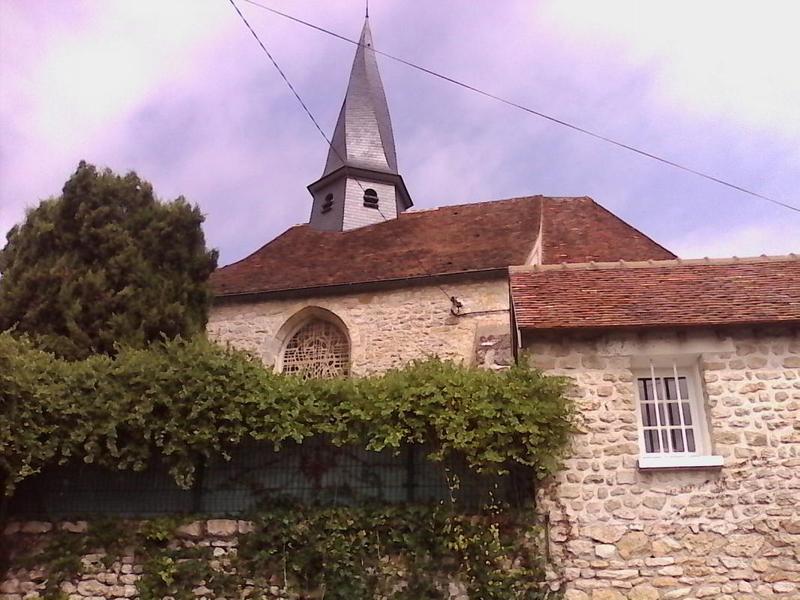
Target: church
{"points": [[369, 283], [684, 477]]}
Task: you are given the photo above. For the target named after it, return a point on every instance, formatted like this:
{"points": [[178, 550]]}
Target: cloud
{"points": [[72, 74], [724, 58], [746, 240], [180, 92]]}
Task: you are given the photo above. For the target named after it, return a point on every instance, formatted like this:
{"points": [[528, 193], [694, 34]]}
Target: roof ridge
{"points": [[636, 229], [622, 264], [416, 211]]}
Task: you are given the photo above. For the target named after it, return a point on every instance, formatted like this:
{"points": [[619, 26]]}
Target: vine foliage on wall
{"points": [[412, 553], [184, 400]]}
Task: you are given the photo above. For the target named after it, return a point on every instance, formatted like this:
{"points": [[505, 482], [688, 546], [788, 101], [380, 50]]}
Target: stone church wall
{"points": [[728, 534], [387, 328]]}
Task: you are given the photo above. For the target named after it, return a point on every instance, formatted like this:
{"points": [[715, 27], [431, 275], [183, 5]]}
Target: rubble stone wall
{"points": [[100, 580], [731, 533], [124, 575], [387, 328]]}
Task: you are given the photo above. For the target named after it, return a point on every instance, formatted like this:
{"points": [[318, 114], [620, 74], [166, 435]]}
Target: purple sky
{"points": [[179, 92]]}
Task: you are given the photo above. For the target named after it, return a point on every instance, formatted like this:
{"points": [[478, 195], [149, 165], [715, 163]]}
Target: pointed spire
{"points": [[363, 136], [360, 185]]}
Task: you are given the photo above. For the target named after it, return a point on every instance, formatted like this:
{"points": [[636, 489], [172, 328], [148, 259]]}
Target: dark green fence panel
{"points": [[314, 472], [77, 490]]}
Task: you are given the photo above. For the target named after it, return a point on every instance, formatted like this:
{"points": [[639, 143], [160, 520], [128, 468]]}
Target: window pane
{"points": [[665, 440], [690, 441], [649, 414], [645, 389], [651, 441], [687, 414], [677, 440], [684, 388], [660, 388], [671, 392], [674, 413]]}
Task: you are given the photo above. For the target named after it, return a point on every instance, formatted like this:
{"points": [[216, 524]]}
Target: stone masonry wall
{"points": [[120, 577], [387, 328], [729, 534], [101, 581]]}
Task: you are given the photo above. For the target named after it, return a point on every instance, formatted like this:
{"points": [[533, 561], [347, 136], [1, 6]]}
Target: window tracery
{"points": [[319, 349]]}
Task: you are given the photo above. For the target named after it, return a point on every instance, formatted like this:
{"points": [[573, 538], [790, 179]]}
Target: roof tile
{"points": [[658, 294], [449, 240]]}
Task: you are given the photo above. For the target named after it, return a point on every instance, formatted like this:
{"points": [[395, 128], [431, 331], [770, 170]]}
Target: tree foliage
{"points": [[180, 400], [105, 263]]}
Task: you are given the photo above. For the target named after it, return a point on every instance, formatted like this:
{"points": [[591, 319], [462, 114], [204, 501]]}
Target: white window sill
{"points": [[647, 463]]}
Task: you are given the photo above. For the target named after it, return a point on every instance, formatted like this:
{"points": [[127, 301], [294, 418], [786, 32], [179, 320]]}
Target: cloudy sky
{"points": [[178, 91]]}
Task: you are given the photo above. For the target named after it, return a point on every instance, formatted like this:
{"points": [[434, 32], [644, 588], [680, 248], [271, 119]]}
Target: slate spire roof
{"points": [[363, 136]]}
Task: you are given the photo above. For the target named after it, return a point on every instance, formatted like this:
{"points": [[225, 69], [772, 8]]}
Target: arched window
{"points": [[318, 349], [370, 198]]}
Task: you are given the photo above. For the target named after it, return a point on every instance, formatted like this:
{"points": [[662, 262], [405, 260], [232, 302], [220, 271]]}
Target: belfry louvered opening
{"points": [[327, 204], [370, 198]]}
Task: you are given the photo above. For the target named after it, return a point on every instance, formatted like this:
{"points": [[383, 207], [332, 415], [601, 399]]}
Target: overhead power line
{"points": [[282, 74], [452, 299], [524, 108]]}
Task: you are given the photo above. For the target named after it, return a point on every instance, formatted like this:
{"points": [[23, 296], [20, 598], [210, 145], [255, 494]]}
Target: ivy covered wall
{"points": [[289, 553], [183, 402]]}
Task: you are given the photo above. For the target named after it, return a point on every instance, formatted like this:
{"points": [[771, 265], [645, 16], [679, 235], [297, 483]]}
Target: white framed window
{"points": [[673, 431]]}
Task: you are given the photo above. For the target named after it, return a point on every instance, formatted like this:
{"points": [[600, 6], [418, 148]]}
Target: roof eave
{"points": [[361, 285], [656, 326], [643, 264]]}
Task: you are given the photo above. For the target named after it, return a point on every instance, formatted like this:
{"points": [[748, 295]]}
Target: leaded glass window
{"points": [[319, 349]]}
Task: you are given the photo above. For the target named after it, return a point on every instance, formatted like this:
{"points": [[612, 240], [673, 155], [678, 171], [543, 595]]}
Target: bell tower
{"points": [[360, 184]]}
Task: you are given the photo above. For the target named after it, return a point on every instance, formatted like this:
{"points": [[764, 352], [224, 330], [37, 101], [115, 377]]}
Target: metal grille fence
{"points": [[314, 472]]}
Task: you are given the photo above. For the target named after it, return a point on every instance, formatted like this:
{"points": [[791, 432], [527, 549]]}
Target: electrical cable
{"points": [[534, 112]]}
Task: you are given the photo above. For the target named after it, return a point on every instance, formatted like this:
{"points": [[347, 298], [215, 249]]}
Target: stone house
{"points": [[683, 482]]}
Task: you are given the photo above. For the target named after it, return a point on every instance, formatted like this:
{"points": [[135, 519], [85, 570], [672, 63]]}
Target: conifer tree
{"points": [[105, 263]]}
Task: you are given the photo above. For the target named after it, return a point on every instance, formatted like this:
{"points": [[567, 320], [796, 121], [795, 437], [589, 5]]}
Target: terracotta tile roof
{"points": [[580, 230], [671, 293], [449, 240]]}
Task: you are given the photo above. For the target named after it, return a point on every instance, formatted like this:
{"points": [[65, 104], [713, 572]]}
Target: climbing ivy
{"points": [[181, 400], [401, 553]]}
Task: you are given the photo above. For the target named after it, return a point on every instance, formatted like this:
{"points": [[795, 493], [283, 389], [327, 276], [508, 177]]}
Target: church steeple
{"points": [[360, 184], [363, 135]]}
